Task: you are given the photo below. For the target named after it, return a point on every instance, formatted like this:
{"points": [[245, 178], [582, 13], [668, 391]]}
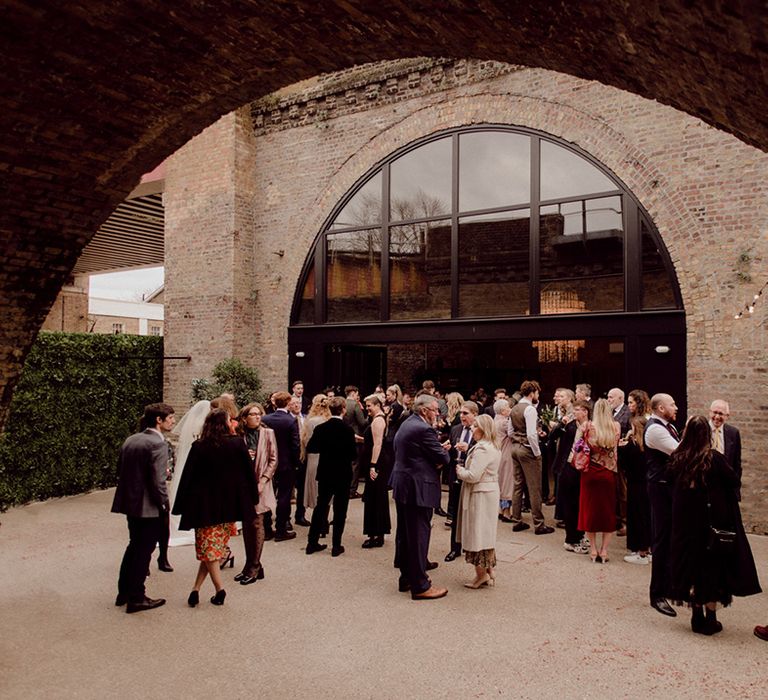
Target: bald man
{"points": [[621, 416], [726, 439], [661, 440]]}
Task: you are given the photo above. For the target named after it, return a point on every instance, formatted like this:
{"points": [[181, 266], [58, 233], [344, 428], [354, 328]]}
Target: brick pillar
{"points": [[209, 254]]}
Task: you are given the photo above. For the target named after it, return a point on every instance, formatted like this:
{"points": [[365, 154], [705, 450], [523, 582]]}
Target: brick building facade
{"points": [[258, 185]]}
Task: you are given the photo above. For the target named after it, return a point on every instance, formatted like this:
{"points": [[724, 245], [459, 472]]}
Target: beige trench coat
{"points": [[479, 503]]}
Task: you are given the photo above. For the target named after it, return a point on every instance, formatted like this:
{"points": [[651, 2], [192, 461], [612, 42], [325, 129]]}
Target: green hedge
{"points": [[80, 395]]}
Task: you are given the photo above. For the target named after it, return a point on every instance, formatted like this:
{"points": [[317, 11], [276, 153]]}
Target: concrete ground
{"points": [[555, 625]]}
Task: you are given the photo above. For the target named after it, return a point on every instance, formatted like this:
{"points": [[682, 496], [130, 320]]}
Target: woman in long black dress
{"points": [[705, 570], [375, 463], [632, 458]]}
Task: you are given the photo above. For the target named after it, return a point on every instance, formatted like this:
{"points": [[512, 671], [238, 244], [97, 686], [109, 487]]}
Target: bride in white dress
{"points": [[188, 429]]}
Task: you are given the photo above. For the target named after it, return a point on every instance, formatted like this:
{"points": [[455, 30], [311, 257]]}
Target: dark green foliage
{"points": [[232, 377], [80, 395]]}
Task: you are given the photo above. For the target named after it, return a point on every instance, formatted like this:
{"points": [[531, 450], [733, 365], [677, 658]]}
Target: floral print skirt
{"points": [[485, 558], [212, 542]]}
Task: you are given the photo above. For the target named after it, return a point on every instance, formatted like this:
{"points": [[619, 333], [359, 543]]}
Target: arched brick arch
{"points": [[95, 94]]}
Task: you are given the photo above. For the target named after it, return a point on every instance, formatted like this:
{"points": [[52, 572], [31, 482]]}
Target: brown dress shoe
{"points": [[762, 632], [431, 593]]}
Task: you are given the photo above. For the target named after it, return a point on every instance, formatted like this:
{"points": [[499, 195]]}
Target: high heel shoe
{"points": [[194, 599], [492, 574], [230, 559], [479, 582], [218, 599], [596, 558], [604, 557]]}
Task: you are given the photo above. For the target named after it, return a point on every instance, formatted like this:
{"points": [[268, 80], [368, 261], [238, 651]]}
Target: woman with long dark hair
{"points": [[376, 464], [632, 451], [217, 488], [710, 555]]}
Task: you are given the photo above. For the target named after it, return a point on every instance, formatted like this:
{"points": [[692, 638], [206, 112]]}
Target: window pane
{"points": [[587, 265], [565, 174], [420, 182], [354, 276], [657, 287], [307, 301], [364, 209], [493, 264], [494, 170], [420, 270]]}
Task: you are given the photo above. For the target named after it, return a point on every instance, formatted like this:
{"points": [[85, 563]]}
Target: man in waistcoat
{"points": [[526, 459], [661, 440]]}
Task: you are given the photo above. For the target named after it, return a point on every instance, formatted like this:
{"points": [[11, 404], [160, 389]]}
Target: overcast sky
{"points": [[130, 285]]}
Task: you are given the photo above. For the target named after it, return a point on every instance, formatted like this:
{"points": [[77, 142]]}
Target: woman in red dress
{"points": [[597, 500]]}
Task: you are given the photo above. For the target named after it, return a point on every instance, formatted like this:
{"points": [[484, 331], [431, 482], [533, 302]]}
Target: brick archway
{"points": [[94, 95]]}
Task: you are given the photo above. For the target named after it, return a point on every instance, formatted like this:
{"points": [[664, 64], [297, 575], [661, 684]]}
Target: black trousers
{"points": [[165, 534], [569, 488], [143, 534], [283, 482], [339, 492], [412, 545], [453, 513], [253, 544], [660, 497]]}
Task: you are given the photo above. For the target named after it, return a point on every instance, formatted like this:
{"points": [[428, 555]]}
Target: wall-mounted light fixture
{"points": [[662, 349]]}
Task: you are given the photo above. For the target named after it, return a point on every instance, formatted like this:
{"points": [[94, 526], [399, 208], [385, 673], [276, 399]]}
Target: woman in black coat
{"points": [[217, 488], [705, 570]]}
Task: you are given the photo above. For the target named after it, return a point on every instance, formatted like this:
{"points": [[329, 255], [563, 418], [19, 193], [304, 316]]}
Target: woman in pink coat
{"points": [[263, 450]]}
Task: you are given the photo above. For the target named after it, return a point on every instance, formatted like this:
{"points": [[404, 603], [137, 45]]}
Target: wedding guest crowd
{"points": [[617, 470]]}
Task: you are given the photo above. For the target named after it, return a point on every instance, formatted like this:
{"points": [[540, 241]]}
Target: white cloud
{"points": [[130, 285]]}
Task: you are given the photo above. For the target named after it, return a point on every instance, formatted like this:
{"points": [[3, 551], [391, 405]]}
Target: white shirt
{"points": [[658, 437]]}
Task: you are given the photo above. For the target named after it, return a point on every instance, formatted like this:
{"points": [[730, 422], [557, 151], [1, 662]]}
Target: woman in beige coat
{"points": [[479, 501], [263, 450]]}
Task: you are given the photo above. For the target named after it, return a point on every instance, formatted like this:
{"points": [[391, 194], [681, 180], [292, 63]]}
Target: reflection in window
{"points": [[420, 182], [565, 174], [493, 264], [590, 265], [307, 300], [354, 276], [657, 287], [420, 270], [364, 209], [494, 170], [598, 217]]}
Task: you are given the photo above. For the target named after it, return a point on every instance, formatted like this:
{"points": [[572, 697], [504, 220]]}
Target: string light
{"points": [[749, 307]]}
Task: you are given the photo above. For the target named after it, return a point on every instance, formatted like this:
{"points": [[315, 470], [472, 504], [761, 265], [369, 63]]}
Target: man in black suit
{"points": [[415, 483], [621, 416], [142, 496], [461, 440], [726, 438], [334, 440], [288, 456], [297, 389]]}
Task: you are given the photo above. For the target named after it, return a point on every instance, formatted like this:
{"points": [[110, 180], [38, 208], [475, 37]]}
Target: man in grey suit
{"points": [[142, 496], [726, 438], [415, 483]]}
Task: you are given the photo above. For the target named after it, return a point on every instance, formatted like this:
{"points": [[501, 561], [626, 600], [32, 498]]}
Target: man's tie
{"points": [[717, 440], [673, 431]]}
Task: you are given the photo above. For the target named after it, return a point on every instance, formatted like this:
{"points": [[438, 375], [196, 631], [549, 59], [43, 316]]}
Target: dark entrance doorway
{"points": [[364, 366]]}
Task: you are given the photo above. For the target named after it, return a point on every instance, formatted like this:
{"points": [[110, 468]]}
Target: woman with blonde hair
{"points": [[454, 400], [479, 501], [318, 413], [598, 439], [502, 409]]}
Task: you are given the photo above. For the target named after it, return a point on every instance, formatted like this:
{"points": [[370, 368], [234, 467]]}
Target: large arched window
{"points": [[484, 222]]}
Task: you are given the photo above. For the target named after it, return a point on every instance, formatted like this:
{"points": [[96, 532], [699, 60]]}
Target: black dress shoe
{"points": [[336, 551], [663, 607], [269, 535], [452, 555], [519, 527], [441, 512], [120, 600], [370, 543], [303, 522], [146, 604], [248, 580], [312, 548], [544, 530], [283, 536], [403, 586], [240, 576], [431, 565], [505, 519], [163, 565], [288, 526]]}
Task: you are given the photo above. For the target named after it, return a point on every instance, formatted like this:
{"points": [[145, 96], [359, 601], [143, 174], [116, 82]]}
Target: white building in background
{"points": [[135, 317]]}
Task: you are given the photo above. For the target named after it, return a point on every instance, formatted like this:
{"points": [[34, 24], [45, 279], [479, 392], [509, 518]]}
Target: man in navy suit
{"points": [[335, 441], [142, 496], [288, 457], [726, 439], [415, 483]]}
